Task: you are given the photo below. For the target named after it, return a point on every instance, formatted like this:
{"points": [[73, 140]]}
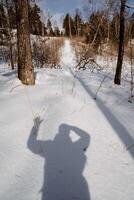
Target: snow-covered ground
{"points": [[58, 143]]}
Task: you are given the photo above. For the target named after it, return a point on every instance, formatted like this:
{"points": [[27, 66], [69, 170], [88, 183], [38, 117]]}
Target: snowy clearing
{"points": [[58, 143]]}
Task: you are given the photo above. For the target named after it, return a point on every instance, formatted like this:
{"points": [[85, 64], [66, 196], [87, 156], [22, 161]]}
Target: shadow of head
{"points": [[79, 136]]}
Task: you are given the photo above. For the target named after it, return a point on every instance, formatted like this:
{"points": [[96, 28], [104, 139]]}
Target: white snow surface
{"points": [[58, 143]]}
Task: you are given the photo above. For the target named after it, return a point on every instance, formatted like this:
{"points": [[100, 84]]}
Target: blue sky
{"points": [[58, 8], [62, 6]]}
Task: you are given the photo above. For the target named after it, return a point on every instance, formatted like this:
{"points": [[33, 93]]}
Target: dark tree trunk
{"points": [[25, 66], [70, 31], [117, 79], [11, 56], [10, 36]]}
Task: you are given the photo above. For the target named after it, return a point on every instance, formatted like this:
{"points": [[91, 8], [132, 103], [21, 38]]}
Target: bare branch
{"points": [[130, 6]]}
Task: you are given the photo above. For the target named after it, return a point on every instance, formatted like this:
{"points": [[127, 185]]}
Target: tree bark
{"points": [[117, 79], [70, 31], [10, 36], [25, 66]]}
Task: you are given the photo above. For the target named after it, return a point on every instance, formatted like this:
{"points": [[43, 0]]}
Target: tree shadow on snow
{"points": [[7, 74], [64, 163], [120, 129]]}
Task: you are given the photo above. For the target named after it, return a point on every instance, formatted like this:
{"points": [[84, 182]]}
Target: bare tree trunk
{"points": [[70, 31], [108, 32], [25, 66], [77, 31], [117, 79], [11, 56], [10, 36], [42, 29]]}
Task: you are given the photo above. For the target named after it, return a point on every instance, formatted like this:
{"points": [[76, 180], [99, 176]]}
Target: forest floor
{"points": [[58, 143]]}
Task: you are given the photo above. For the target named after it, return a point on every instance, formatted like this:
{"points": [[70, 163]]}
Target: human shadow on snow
{"points": [[64, 163]]}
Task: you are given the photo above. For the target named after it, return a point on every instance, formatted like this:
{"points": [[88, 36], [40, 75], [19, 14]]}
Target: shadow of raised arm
{"points": [[35, 145]]}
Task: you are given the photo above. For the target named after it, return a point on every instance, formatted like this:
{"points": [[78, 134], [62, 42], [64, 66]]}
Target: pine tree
{"points": [[77, 22], [49, 24], [3, 21], [35, 20], [57, 31], [12, 14], [69, 26], [49, 28]]}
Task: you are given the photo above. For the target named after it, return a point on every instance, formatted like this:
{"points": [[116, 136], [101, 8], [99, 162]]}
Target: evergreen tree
{"points": [[3, 21], [69, 26], [85, 29], [49, 24], [77, 22], [49, 28], [57, 31], [35, 20], [11, 14]]}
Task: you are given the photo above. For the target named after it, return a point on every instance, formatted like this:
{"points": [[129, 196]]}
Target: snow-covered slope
{"points": [[58, 143]]}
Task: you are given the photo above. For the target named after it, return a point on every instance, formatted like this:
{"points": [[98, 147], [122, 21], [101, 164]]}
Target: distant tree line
{"points": [[99, 28], [37, 26], [113, 24]]}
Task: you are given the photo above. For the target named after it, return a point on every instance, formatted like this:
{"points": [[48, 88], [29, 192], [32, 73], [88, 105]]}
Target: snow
{"points": [[58, 143]]}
